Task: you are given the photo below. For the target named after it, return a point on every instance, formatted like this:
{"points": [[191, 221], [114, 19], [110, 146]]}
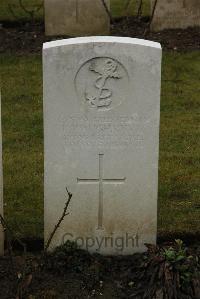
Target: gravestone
{"points": [[101, 135], [1, 189], [76, 17], [172, 14]]}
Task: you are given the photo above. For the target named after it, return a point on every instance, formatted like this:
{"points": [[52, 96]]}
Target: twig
{"points": [[25, 9], [139, 12], [127, 6], [151, 18], [12, 12], [31, 13], [59, 221], [153, 12], [107, 10], [9, 234], [22, 281], [8, 239], [39, 7]]}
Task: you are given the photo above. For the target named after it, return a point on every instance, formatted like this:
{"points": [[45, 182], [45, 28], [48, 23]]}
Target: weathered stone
{"points": [[101, 133], [172, 14], [76, 17]]}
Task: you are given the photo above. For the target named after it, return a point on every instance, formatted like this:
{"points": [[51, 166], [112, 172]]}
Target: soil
{"points": [[26, 38], [74, 273]]}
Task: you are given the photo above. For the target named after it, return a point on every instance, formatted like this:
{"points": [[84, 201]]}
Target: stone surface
{"points": [[172, 14], [101, 133], [1, 189], [76, 17]]}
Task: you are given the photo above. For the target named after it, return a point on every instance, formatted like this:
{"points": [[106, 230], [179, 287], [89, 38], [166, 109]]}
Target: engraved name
{"points": [[102, 132]]}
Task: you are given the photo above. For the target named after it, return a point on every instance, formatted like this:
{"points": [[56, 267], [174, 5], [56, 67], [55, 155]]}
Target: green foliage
{"points": [[186, 265], [65, 249], [174, 255], [118, 8], [171, 271], [11, 10]]}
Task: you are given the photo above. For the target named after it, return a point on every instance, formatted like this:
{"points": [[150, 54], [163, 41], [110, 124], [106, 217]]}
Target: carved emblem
{"points": [[106, 70], [101, 83]]}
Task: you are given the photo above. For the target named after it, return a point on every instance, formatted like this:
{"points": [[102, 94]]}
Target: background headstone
{"points": [[1, 189], [76, 17], [172, 14], [101, 134]]}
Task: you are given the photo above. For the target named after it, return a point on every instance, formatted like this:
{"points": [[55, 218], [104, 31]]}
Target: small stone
{"points": [[131, 284]]}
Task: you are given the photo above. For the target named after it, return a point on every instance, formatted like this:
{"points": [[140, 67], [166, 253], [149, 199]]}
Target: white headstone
{"points": [[101, 134], [172, 14], [76, 17], [1, 189]]}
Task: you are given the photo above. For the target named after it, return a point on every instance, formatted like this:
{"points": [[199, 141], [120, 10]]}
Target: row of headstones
{"points": [[101, 141], [89, 17]]}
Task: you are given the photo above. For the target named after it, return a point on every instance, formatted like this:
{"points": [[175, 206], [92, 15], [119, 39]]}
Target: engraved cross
{"points": [[101, 181]]}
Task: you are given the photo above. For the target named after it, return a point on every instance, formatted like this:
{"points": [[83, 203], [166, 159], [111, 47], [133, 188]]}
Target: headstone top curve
{"points": [[101, 39]]}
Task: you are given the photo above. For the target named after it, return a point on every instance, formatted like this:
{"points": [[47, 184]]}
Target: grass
{"points": [[19, 14], [179, 190], [23, 143], [117, 8]]}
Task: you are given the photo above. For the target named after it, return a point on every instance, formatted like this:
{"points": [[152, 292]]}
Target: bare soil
{"points": [[25, 38], [74, 273]]}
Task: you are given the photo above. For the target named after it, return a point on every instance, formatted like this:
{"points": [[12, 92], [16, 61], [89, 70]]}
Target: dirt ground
{"points": [[28, 38], [73, 273]]}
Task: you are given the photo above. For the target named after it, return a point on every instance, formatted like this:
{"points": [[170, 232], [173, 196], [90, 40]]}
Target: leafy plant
{"points": [[169, 272], [181, 262]]}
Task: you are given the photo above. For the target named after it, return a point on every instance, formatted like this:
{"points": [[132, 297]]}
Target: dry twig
{"points": [[59, 221], [126, 7], [139, 11], [107, 10], [151, 18], [10, 239], [31, 12]]}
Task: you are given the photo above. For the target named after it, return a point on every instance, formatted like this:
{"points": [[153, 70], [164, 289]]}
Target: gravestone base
{"points": [[76, 17]]}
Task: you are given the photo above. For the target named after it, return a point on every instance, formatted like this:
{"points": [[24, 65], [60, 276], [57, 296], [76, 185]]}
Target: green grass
{"points": [[23, 143], [179, 190], [117, 8], [18, 13]]}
